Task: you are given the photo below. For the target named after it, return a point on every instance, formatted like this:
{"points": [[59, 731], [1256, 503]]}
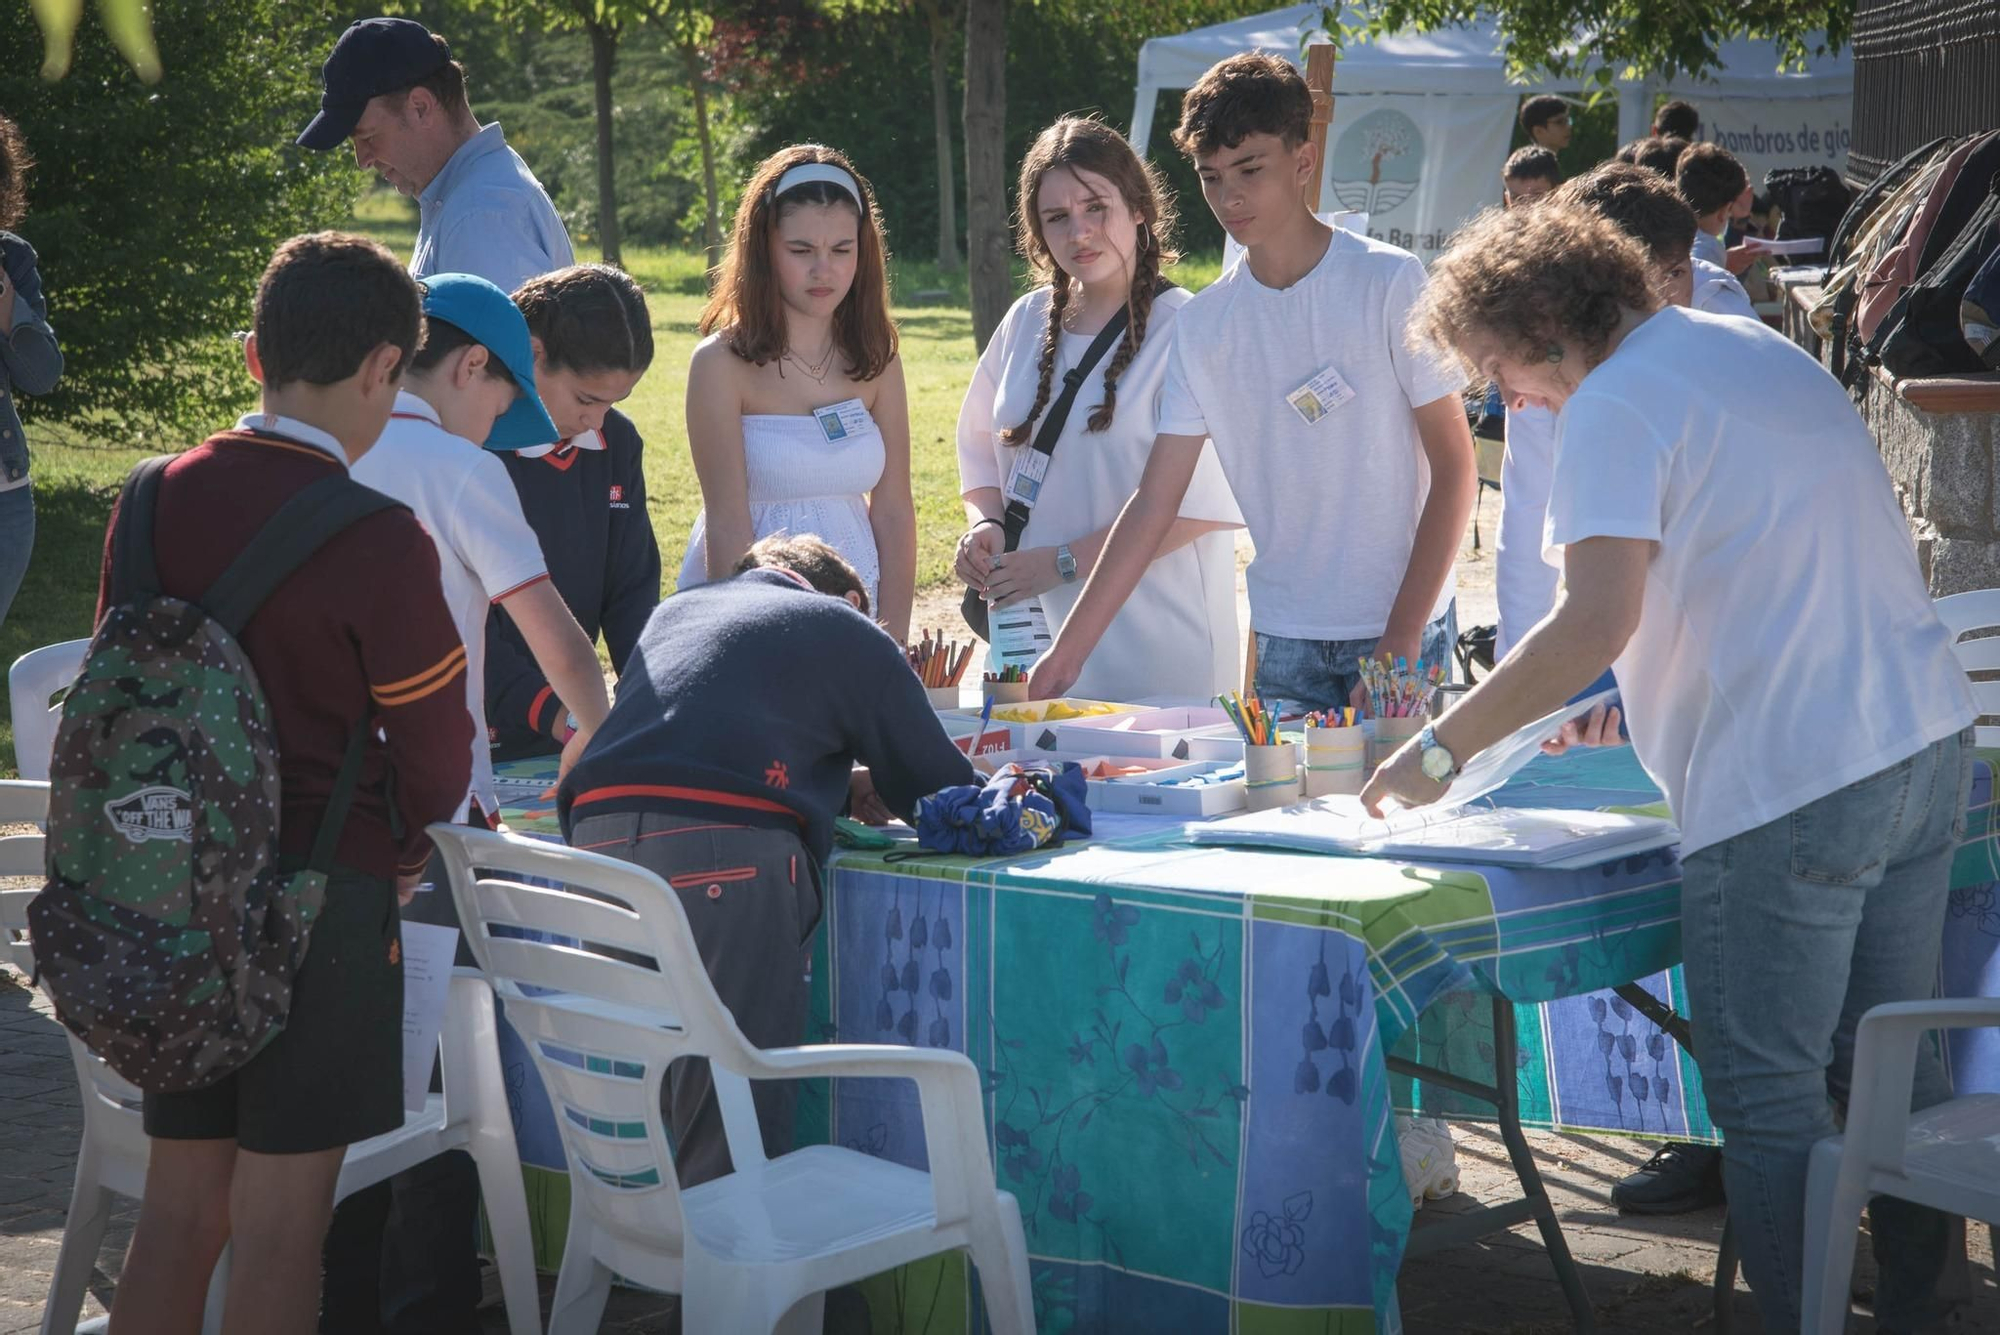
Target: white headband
{"points": [[807, 172]]}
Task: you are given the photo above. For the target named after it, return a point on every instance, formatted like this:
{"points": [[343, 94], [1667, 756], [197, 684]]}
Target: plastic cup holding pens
{"points": [[1336, 760], [942, 697], [1006, 692], [1271, 775]]}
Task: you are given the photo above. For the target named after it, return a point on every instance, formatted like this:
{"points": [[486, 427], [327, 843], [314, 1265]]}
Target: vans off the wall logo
{"points": [[153, 813], [1377, 162]]}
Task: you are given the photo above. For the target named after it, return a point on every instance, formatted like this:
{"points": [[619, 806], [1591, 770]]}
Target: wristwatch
{"points": [[1066, 564], [1440, 766]]}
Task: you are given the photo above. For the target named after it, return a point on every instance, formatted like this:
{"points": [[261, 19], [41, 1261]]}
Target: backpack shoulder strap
{"points": [[302, 525], [134, 570]]}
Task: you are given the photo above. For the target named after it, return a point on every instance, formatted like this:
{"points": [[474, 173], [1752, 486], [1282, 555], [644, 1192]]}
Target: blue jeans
{"points": [[1791, 932], [1322, 674], [17, 542]]}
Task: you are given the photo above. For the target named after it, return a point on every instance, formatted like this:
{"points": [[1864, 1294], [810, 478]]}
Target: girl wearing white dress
{"points": [[796, 410], [1095, 225]]}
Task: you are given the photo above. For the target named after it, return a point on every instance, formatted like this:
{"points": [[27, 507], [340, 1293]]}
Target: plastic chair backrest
{"points": [[105, 1093], [599, 972], [1967, 613], [35, 676]]}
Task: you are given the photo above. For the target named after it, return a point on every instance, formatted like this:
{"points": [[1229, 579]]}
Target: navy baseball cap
{"points": [[493, 320], [373, 57]]}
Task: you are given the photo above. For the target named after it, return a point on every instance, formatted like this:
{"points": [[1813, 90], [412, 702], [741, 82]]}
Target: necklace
{"points": [[817, 370]]}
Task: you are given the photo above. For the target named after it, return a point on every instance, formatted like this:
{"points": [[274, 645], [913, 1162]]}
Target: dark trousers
{"points": [[401, 1257], [752, 900]]}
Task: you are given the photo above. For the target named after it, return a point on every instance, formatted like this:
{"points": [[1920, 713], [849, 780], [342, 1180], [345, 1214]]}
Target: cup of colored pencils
{"points": [[1336, 753], [1399, 701], [940, 665], [1008, 686], [1270, 764]]}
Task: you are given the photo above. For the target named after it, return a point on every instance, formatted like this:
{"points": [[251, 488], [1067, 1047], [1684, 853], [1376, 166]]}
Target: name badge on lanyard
{"points": [[838, 421], [1024, 484]]}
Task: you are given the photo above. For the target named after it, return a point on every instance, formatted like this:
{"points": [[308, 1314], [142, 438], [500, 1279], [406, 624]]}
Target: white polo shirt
{"points": [[485, 548]]}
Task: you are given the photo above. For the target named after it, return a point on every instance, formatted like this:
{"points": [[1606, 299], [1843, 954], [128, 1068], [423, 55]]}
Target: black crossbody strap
{"points": [[302, 525], [1015, 522], [327, 842], [134, 570]]}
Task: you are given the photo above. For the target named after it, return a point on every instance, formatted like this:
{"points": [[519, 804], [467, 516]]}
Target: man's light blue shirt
{"points": [[486, 214]]}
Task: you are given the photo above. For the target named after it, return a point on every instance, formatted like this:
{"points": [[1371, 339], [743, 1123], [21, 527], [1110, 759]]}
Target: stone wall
{"points": [[1943, 467]]}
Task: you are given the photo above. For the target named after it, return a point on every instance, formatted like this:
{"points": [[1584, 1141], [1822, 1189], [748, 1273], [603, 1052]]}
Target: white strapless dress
{"points": [[799, 483]]}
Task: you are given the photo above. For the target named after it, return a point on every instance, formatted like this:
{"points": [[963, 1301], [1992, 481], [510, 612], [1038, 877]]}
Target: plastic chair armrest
{"points": [[1885, 1059], [948, 1095]]}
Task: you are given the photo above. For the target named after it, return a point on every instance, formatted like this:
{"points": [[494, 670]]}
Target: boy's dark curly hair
{"points": [[15, 162]]}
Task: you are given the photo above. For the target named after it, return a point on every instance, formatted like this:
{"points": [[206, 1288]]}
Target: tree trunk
{"points": [[603, 55], [711, 224], [986, 164], [947, 256]]}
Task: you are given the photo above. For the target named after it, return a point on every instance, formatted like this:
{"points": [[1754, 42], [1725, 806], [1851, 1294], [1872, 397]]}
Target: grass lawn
{"points": [[77, 477]]}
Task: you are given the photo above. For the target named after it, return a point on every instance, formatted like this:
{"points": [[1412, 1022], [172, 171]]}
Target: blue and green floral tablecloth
{"points": [[1184, 1046]]}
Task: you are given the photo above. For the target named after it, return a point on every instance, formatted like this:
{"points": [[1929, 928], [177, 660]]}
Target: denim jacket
{"points": [[30, 361]]}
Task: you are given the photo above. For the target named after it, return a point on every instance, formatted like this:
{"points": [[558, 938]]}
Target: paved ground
{"points": [[1644, 1276]]}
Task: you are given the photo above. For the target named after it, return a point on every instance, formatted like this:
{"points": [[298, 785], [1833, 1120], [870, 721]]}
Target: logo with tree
{"points": [[1377, 162]]}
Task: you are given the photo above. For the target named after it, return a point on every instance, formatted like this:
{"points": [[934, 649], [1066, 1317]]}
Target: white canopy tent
{"points": [[1422, 122]]}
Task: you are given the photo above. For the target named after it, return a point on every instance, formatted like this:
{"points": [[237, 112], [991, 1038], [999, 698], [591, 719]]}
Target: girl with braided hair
{"points": [[1096, 228]]}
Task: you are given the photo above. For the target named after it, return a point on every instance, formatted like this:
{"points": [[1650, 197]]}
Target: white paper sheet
{"points": [[1509, 836], [1801, 245], [427, 957], [1504, 759]]}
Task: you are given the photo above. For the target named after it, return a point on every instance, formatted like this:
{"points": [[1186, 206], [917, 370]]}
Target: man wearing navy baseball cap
{"points": [[394, 90]]}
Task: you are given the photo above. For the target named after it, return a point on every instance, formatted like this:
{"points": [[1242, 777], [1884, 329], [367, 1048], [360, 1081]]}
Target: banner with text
{"points": [[1779, 132]]}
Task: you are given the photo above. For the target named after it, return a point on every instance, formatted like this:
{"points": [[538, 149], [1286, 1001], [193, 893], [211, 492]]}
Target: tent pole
{"points": [[1319, 78]]}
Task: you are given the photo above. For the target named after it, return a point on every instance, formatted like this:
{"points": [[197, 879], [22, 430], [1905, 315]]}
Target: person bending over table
{"points": [[736, 730], [1790, 688]]}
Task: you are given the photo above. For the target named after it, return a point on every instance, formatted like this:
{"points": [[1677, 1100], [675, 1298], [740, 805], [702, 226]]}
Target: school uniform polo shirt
{"points": [[485, 549]]}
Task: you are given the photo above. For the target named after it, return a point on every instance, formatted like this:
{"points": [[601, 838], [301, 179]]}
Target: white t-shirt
{"points": [[1717, 291], [1786, 644], [1524, 584], [1176, 634], [485, 548], [1524, 581], [1709, 249], [1332, 504]]}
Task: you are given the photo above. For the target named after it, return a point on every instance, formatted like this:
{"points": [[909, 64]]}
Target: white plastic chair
{"points": [[35, 676], [754, 1251], [470, 1115], [1946, 1157], [1963, 614]]}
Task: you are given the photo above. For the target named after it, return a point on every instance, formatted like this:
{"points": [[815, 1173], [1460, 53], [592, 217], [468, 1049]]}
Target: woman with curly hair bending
{"points": [[1729, 537], [1096, 226]]}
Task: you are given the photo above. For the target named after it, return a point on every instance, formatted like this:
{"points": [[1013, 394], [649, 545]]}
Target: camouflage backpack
{"points": [[166, 935]]}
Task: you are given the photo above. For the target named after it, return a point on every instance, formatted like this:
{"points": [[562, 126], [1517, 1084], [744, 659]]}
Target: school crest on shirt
{"points": [[618, 501]]}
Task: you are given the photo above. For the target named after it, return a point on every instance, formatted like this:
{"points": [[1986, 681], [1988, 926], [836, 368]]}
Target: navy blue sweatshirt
{"points": [[588, 508], [752, 698]]}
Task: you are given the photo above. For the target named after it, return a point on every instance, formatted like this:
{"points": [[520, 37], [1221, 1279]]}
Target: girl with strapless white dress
{"points": [[796, 409]]}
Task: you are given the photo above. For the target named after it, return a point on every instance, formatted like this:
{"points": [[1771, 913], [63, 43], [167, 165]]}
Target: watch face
{"points": [[1437, 764]]}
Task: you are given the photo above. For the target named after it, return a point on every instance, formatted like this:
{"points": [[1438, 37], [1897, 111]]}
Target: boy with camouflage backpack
{"points": [[227, 849]]}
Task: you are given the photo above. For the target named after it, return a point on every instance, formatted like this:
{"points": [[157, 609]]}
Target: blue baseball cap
{"points": [[494, 321], [373, 57]]}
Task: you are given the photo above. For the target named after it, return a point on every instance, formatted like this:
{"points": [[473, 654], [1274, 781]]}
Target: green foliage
{"points": [[1617, 36], [155, 208], [1076, 55]]}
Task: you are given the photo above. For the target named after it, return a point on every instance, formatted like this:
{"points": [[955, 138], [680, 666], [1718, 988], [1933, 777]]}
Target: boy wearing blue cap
{"points": [[472, 383], [392, 87], [400, 1256]]}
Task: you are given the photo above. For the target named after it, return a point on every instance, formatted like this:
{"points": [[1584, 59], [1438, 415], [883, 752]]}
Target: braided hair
{"points": [[1084, 143]]}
